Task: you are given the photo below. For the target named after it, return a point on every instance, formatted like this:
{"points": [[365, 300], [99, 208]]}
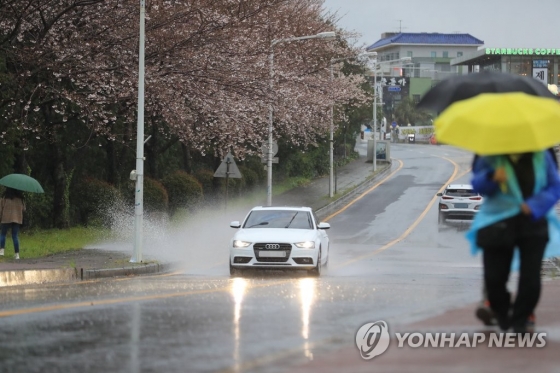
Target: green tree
{"points": [[354, 114], [406, 112]]}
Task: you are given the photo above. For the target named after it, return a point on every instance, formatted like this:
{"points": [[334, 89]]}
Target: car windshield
{"points": [[460, 193], [279, 219]]}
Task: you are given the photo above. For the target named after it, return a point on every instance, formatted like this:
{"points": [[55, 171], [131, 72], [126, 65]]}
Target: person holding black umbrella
{"points": [[12, 206], [518, 178], [520, 190], [464, 87]]}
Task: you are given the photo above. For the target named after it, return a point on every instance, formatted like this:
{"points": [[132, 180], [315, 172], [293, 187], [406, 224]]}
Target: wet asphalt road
{"points": [[388, 261]]}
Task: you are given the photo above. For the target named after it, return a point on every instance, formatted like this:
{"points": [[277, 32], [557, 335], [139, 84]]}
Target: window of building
{"points": [[459, 54], [409, 53], [433, 54], [519, 66], [445, 54], [444, 67]]}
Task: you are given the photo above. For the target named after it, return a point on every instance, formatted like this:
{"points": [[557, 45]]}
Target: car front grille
{"points": [[272, 247]]}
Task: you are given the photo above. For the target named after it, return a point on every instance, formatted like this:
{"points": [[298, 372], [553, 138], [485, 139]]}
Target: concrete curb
{"points": [[139, 269], [37, 276], [45, 276]]}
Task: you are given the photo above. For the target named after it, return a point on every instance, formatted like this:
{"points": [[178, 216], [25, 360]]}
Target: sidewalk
{"points": [[481, 358]]}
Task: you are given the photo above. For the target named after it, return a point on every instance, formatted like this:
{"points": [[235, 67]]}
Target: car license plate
{"points": [[461, 205], [272, 254]]}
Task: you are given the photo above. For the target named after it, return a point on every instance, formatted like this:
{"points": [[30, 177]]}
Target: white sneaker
{"points": [[17, 255], [2, 252]]}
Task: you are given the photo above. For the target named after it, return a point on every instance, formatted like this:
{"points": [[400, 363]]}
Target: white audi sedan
{"points": [[279, 238]]}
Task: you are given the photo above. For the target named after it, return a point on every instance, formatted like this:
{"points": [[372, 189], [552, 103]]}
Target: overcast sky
{"points": [[499, 23]]}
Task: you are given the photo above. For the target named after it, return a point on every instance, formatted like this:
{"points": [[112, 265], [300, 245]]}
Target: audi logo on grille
{"points": [[272, 246]]}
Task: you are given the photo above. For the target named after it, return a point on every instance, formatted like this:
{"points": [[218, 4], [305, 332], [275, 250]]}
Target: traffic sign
{"points": [[228, 168], [264, 148]]}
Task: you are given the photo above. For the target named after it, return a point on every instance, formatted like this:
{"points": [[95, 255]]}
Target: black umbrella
{"points": [[462, 87]]}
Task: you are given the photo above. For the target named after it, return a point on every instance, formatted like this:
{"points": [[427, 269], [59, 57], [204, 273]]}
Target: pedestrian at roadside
{"points": [[483, 311], [519, 192], [12, 207]]}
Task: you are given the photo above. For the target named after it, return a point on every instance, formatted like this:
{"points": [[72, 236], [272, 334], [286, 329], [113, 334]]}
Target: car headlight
{"points": [[305, 245], [240, 244]]}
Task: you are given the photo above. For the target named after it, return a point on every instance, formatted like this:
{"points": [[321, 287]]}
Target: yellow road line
{"points": [[409, 229], [64, 306]]}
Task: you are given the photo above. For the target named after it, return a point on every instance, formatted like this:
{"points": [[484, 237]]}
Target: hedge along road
{"points": [[260, 319]]}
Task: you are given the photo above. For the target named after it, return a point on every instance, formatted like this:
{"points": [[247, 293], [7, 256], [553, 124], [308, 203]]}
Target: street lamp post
{"points": [[329, 35], [331, 135], [139, 190], [376, 87], [374, 113], [331, 142]]}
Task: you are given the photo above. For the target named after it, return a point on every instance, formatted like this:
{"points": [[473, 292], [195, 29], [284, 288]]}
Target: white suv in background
{"points": [[458, 202]]}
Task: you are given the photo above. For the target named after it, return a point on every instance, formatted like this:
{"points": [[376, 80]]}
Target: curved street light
{"points": [[328, 35]]}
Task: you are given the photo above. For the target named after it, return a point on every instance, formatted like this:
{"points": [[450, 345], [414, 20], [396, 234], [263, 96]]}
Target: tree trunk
{"points": [[187, 159], [217, 181], [60, 200], [124, 155], [112, 174], [151, 149], [20, 163]]}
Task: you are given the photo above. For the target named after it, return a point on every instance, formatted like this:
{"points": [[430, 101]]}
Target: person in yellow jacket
{"points": [[12, 207]]}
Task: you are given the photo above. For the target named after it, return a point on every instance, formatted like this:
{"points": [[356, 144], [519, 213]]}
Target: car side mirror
{"points": [[235, 224], [323, 226], [439, 194]]}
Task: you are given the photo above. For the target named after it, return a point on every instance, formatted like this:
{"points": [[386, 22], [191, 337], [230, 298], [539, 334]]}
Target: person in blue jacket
{"points": [[519, 192]]}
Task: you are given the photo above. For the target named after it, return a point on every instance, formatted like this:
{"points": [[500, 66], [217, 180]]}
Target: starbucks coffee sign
{"points": [[524, 51]]}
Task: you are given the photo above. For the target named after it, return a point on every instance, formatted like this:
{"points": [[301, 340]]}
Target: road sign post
{"points": [[228, 169], [266, 154]]}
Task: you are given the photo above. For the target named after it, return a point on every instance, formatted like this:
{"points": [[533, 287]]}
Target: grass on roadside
{"points": [[40, 243]]}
